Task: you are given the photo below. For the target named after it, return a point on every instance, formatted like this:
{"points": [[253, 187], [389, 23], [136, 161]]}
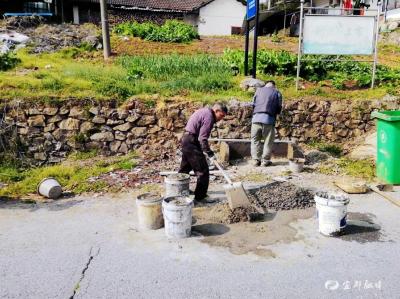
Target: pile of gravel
{"points": [[282, 196], [249, 214]]}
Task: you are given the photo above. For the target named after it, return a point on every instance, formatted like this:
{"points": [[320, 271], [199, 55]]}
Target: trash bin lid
{"points": [[387, 115]]}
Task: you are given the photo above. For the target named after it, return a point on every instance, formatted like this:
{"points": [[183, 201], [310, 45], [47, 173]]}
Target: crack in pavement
{"points": [[91, 257]]}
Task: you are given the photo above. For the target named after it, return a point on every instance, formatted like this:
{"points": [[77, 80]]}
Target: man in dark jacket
{"points": [[195, 145], [267, 105]]}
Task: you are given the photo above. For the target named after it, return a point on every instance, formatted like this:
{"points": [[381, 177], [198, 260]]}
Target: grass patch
{"points": [[364, 169], [73, 174], [199, 77], [332, 149], [77, 156]]}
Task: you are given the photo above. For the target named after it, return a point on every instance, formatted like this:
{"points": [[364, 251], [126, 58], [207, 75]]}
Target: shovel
{"points": [[235, 193]]}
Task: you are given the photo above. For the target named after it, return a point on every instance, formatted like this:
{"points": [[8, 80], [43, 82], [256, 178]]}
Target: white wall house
{"points": [[221, 17]]}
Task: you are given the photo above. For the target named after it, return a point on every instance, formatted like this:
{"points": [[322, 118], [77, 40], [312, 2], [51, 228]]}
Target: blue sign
{"points": [[251, 9]]}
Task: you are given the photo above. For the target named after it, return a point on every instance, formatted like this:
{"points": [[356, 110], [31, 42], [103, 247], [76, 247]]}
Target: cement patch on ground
{"points": [[243, 238]]}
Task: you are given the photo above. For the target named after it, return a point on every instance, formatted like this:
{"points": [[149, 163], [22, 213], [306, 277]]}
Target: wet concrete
{"points": [[361, 228], [243, 238]]}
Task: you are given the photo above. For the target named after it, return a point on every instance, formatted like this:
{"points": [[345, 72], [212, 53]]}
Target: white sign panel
{"points": [[338, 35]]}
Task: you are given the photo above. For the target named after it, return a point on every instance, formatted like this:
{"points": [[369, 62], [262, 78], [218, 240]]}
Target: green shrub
{"points": [[338, 81], [171, 31], [323, 67], [8, 61]]}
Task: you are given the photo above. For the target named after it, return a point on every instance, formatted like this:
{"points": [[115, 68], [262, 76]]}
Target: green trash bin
{"points": [[388, 147]]}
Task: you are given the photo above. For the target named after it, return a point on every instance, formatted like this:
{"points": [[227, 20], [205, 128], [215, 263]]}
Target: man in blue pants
{"points": [[267, 105]]}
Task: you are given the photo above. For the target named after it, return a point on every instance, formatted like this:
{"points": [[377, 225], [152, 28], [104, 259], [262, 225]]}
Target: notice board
{"points": [[338, 35]]}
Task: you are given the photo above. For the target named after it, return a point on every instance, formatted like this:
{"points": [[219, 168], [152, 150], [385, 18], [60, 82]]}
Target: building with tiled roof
{"points": [[210, 17]]}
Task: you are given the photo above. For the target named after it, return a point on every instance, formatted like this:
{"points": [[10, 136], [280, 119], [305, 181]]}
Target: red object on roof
{"points": [[347, 4]]}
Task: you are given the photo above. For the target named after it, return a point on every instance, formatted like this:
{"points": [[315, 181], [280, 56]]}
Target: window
{"points": [[36, 7], [236, 30]]}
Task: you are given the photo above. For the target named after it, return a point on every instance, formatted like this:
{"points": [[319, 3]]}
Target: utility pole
{"points": [[105, 29]]}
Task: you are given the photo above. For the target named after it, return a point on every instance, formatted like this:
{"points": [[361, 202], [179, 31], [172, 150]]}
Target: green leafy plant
{"points": [[171, 31], [8, 61]]}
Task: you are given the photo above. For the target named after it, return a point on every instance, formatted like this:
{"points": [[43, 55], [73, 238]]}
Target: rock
{"points": [[123, 148], [119, 135], [139, 131], [64, 110], [40, 156], [328, 128], [50, 111], [393, 26], [367, 150], [113, 122], [251, 83], [311, 133], [124, 127], [154, 130], [50, 127], [92, 145], [94, 110], [54, 119], [54, 160], [34, 111], [86, 126], [99, 120], [336, 107], [166, 123], [77, 112], [342, 132], [102, 137], [114, 146], [109, 112], [36, 121], [122, 113], [69, 124], [132, 118], [146, 120]]}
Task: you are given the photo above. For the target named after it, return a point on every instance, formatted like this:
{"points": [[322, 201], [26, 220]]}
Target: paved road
{"points": [[90, 248]]}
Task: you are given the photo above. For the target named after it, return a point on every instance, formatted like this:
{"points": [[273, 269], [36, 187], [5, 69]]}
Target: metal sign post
{"points": [[253, 7], [254, 73]]}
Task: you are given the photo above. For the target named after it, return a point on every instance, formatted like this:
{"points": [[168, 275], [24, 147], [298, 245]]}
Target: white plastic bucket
{"points": [[149, 211], [332, 212], [177, 211], [50, 188], [177, 185]]}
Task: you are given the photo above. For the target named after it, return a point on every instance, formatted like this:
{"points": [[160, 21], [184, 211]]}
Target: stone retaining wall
{"points": [[49, 133]]}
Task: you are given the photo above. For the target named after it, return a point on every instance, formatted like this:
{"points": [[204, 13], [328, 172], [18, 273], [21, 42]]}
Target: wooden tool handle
{"points": [[223, 172]]}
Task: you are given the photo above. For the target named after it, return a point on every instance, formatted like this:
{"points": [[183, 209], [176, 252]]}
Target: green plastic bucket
{"points": [[388, 146]]}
